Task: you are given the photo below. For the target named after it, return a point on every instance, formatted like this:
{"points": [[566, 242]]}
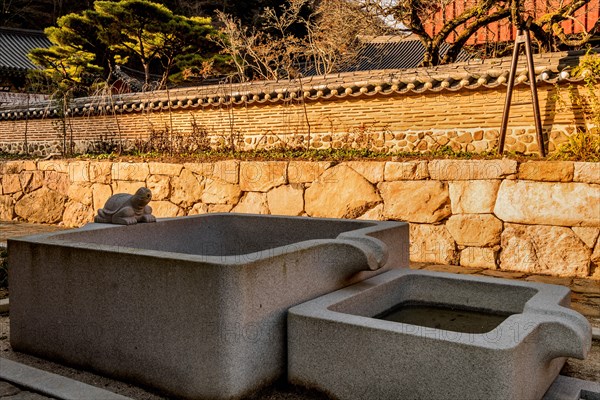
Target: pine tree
{"points": [[128, 32]]}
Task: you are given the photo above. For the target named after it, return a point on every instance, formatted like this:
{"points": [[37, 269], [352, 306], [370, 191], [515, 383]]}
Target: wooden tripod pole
{"points": [[509, 89], [534, 95], [522, 37]]}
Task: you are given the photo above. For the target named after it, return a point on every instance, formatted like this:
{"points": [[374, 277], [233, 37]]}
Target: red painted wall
{"points": [[585, 18]]}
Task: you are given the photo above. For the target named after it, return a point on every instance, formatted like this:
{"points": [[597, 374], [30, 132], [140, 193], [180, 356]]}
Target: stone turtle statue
{"points": [[127, 209]]}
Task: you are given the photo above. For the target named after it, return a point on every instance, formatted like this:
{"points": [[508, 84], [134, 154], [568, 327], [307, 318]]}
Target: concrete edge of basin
{"points": [[4, 305], [49, 384], [567, 388]]}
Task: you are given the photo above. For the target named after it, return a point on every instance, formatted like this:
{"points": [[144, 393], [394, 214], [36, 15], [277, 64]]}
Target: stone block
{"points": [[479, 230], [478, 257], [7, 208], [473, 197], [79, 171], [374, 214], [61, 166], [126, 186], [252, 203], [587, 235], [595, 258], [586, 286], [553, 250], [157, 168], [415, 201], [77, 214], [123, 171], [460, 170], [160, 186], [262, 176], [202, 169], [100, 194], [545, 203], [198, 208], [306, 171], [217, 191], [465, 137], [42, 206], [186, 189], [16, 167], [165, 209], [286, 200], [57, 181], [329, 195], [31, 181], [408, 170], [432, 244], [361, 342], [227, 171], [546, 171], [587, 172], [220, 285], [220, 208], [101, 172], [81, 193], [370, 170], [11, 183]]}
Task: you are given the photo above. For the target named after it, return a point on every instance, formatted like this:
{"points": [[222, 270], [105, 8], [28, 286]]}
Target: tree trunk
{"points": [[147, 74]]}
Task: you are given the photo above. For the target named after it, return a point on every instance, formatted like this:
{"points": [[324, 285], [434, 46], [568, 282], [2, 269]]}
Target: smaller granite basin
{"points": [[430, 335]]}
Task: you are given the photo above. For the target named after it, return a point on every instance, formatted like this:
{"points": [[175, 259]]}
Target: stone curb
{"points": [[596, 333], [567, 388], [50, 384], [4, 306]]}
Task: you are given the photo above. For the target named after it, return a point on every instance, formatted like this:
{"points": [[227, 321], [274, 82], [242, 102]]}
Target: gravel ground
{"points": [[588, 369]]}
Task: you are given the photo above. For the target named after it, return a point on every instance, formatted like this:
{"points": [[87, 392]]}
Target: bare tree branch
{"points": [[466, 34], [547, 28]]}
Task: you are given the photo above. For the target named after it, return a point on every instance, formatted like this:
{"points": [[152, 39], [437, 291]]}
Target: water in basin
{"points": [[444, 316]]}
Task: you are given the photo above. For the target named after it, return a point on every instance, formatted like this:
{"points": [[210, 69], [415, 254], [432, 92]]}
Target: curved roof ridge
{"points": [[551, 68]]}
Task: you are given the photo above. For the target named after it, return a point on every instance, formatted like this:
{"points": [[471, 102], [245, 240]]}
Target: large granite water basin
{"points": [[364, 342], [193, 307]]}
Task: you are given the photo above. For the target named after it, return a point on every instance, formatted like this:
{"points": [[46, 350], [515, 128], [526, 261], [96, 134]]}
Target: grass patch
{"points": [[15, 157], [583, 146], [333, 155]]}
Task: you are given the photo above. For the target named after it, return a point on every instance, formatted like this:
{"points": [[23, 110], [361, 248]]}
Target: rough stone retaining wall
{"points": [[536, 216]]}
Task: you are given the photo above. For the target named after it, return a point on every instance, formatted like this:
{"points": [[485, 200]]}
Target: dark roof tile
{"points": [[394, 54], [15, 44]]}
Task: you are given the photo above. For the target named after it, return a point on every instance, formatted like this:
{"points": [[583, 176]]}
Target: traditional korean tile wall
{"points": [[537, 217], [407, 110]]}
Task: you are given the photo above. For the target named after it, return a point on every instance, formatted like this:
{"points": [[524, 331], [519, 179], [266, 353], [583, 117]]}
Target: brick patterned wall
{"points": [[466, 120]]}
